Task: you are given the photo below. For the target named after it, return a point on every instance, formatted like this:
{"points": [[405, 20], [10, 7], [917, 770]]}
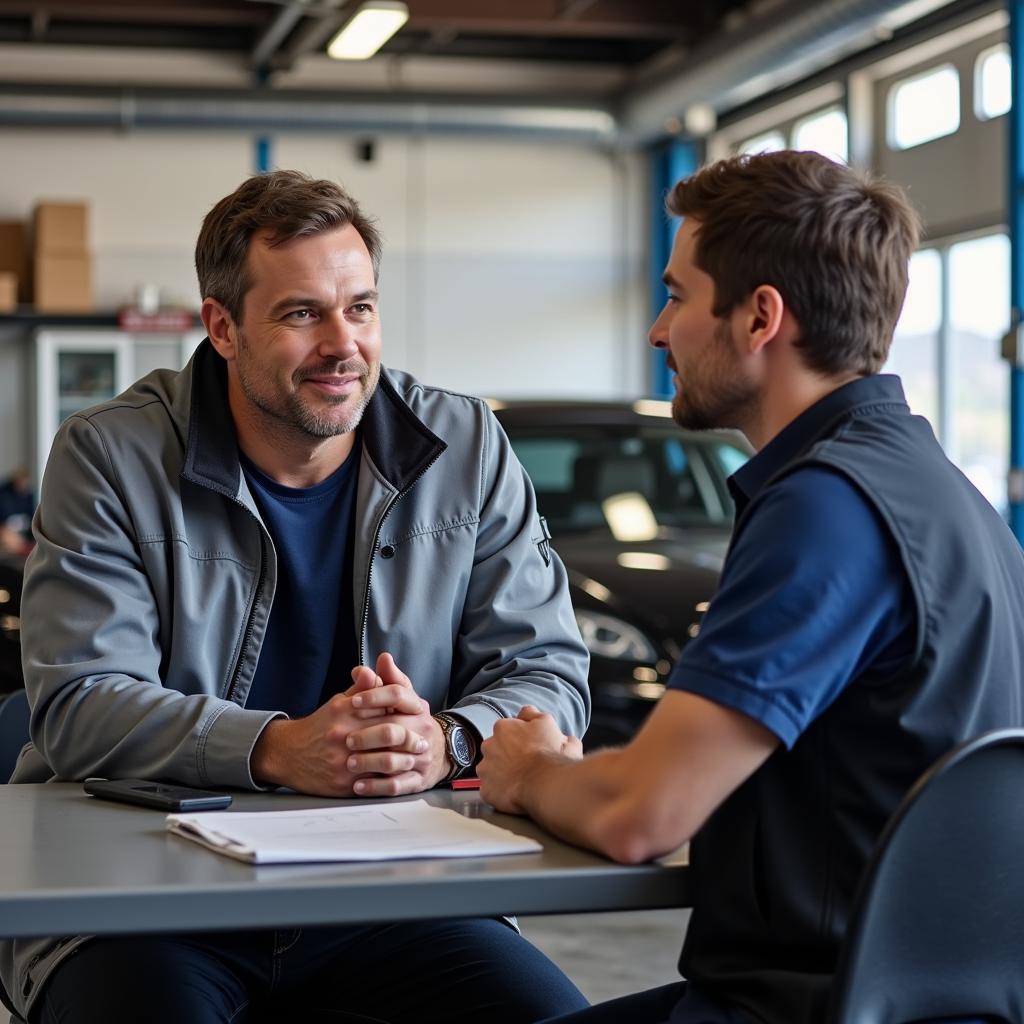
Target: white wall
{"points": [[511, 267]]}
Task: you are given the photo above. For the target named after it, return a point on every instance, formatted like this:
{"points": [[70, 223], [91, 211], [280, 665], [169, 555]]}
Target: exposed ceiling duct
{"points": [[272, 112], [766, 46], [776, 44]]}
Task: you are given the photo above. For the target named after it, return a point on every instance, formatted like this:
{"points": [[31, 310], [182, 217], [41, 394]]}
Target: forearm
{"points": [[122, 727], [567, 700], [592, 803]]}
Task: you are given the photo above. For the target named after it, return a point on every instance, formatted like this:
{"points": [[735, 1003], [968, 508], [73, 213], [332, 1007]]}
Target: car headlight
{"points": [[609, 637]]}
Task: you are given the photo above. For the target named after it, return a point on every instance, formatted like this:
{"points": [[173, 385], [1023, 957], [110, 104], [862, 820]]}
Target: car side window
{"points": [[601, 479]]}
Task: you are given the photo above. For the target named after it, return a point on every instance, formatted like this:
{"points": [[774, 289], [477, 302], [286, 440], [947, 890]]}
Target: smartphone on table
{"points": [[158, 795]]}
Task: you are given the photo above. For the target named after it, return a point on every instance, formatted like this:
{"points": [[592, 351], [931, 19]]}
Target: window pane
{"points": [[992, 85], [924, 107], [769, 142], [979, 280], [914, 353], [825, 133]]}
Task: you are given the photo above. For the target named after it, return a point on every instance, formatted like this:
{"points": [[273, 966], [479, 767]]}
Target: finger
{"points": [[528, 713], [363, 678], [367, 713], [573, 747], [390, 785], [401, 699], [386, 737], [380, 762], [390, 672]]}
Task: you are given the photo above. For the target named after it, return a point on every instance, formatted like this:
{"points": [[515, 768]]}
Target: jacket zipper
{"points": [[373, 551], [247, 635]]}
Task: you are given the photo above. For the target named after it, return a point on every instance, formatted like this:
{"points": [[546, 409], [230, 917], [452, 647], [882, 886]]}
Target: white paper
{"points": [[383, 831]]}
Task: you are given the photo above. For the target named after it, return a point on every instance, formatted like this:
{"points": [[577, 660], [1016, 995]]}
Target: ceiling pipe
{"points": [[277, 31], [257, 111], [313, 35], [769, 49]]}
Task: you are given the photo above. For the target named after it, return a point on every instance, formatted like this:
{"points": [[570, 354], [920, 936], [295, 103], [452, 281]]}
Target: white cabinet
{"points": [[81, 367]]}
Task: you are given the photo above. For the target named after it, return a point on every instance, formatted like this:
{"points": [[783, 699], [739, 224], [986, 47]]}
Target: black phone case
{"points": [[157, 795]]}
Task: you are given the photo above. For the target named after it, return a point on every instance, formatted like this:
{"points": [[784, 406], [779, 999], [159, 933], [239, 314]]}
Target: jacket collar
{"points": [[400, 445], [819, 421]]}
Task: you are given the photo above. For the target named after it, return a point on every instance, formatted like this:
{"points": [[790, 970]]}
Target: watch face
{"points": [[462, 752]]}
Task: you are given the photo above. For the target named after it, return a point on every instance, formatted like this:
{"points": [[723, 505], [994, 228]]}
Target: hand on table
{"points": [[516, 745], [405, 751], [379, 725]]}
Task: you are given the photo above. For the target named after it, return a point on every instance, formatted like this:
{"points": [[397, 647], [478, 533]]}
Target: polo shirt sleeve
{"points": [[813, 595]]}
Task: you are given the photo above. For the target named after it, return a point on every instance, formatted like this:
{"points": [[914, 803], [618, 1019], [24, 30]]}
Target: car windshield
{"points": [[636, 482]]}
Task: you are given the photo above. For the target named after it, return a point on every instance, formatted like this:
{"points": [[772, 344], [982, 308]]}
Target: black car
{"points": [[640, 514]]}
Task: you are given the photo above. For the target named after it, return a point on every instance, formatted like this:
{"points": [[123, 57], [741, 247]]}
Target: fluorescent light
{"points": [[368, 30]]}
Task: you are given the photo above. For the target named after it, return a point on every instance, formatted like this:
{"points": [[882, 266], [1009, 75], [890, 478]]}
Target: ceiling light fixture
{"points": [[368, 30]]}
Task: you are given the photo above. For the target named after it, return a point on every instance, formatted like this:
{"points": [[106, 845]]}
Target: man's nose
{"points": [[336, 336], [657, 336]]}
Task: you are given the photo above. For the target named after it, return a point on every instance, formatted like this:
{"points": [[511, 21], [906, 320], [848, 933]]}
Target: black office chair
{"points": [[938, 927], [13, 730]]}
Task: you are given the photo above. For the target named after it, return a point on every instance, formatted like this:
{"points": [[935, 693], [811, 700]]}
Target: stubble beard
{"points": [[288, 410], [719, 396]]}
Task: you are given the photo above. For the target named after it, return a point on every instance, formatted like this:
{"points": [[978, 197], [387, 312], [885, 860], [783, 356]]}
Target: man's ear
{"points": [[220, 327], [764, 316]]}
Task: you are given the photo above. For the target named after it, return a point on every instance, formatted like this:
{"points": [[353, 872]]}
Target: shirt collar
{"points": [[796, 437]]}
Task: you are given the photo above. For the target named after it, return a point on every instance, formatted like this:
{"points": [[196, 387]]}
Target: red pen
{"points": [[466, 784]]}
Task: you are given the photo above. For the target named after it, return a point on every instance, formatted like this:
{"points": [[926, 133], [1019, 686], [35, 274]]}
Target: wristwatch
{"points": [[460, 743]]}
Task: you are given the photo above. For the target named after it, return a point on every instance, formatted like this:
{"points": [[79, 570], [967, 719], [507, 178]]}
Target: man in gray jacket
{"points": [[285, 566]]}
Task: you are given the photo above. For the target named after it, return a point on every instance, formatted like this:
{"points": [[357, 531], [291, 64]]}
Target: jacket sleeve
{"points": [[90, 642], [518, 642]]}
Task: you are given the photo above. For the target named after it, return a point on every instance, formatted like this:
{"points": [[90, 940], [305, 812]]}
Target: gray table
{"points": [[71, 864]]}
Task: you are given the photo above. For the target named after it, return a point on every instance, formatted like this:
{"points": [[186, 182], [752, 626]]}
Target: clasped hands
{"points": [[376, 739]]}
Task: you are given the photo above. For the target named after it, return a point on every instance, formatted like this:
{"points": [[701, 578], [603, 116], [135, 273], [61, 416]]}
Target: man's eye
{"points": [[362, 308], [300, 314]]}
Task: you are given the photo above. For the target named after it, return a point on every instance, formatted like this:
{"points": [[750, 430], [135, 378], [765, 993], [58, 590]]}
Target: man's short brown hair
{"points": [[834, 241], [289, 205]]}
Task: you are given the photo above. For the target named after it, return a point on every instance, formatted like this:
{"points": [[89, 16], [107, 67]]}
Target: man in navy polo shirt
{"points": [[868, 616]]}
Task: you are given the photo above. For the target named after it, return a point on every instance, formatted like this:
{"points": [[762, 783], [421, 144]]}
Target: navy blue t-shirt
{"points": [[310, 648], [813, 595]]}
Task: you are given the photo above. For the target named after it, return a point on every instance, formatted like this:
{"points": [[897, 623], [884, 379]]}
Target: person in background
{"points": [[288, 566], [17, 503], [868, 616]]}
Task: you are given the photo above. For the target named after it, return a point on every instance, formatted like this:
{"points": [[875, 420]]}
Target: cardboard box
{"points": [[8, 291], [63, 284], [60, 229], [14, 254]]}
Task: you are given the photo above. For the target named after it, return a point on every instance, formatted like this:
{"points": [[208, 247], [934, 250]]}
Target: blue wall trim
{"points": [[669, 162], [263, 155], [1016, 208]]}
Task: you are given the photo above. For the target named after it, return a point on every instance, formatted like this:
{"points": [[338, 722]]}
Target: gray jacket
{"points": [[149, 591]]}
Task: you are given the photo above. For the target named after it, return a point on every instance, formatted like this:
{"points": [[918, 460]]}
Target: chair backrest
{"points": [[13, 730], [938, 926]]}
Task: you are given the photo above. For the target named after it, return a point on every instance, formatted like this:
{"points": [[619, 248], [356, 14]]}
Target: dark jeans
{"points": [[677, 1003], [423, 971]]}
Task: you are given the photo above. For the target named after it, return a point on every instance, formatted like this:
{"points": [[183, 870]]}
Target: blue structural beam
{"points": [[1016, 208], [262, 155], [669, 162]]}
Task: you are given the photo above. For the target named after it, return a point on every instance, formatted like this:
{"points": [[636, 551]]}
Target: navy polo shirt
{"points": [[310, 647], [813, 593]]}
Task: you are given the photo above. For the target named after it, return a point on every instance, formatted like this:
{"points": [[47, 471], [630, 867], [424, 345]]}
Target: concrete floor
{"points": [[610, 955]]}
